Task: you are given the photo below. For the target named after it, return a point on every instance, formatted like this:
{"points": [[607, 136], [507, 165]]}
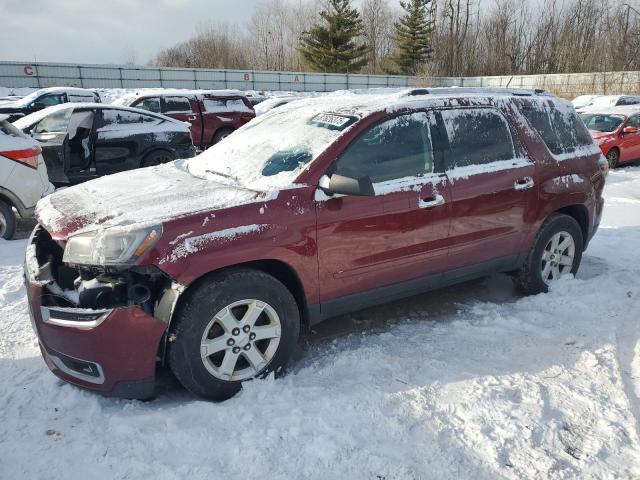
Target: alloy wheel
{"points": [[557, 257], [240, 340]]}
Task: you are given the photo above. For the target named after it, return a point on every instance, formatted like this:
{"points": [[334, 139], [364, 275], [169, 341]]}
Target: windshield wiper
{"points": [[225, 175]]}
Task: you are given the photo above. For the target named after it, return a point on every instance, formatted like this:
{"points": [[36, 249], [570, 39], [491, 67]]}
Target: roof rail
{"points": [[521, 92]]}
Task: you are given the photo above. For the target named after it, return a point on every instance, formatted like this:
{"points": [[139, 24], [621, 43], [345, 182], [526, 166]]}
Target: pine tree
{"points": [[413, 36], [331, 46]]}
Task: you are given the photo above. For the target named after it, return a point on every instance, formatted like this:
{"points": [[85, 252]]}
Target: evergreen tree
{"points": [[413, 36], [331, 46]]}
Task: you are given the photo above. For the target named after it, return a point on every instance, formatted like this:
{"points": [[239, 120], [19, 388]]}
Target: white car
{"points": [[23, 176], [271, 103]]}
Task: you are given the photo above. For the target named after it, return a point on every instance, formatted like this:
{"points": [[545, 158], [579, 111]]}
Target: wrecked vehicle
{"points": [[213, 265], [82, 141]]}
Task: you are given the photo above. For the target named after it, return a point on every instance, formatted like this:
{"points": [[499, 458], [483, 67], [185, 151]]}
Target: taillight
{"points": [[185, 138], [604, 165], [28, 156]]}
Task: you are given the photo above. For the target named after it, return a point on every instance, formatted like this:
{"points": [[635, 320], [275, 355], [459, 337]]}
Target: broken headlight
{"points": [[114, 246]]}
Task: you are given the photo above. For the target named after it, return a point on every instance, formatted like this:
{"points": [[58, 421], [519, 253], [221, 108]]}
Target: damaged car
{"points": [[212, 266], [82, 141]]}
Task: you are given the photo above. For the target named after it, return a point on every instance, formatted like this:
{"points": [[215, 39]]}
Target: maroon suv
{"points": [[213, 265], [213, 114]]}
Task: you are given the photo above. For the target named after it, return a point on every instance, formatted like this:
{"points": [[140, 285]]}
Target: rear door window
{"points": [[151, 104], [123, 119], [476, 136], [176, 105], [394, 149]]}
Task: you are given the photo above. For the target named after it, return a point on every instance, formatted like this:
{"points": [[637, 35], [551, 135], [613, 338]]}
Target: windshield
{"points": [[25, 101], [125, 101], [602, 123], [270, 151]]}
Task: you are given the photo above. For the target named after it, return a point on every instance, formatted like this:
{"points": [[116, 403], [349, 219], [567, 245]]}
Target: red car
{"points": [[213, 114], [617, 131], [214, 265]]}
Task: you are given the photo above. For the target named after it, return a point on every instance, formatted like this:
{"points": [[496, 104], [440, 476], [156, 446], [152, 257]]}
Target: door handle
{"points": [[432, 202], [191, 118], [524, 183]]}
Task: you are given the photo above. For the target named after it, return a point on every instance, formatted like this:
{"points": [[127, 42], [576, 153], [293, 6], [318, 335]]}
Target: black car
{"points": [[46, 97], [82, 141]]}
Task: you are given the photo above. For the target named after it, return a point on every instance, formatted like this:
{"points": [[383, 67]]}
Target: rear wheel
{"points": [[237, 326], [220, 134], [556, 252], [7, 221], [156, 158], [613, 157]]}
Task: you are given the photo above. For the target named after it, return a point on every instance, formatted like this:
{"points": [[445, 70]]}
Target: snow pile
{"points": [[467, 382]]}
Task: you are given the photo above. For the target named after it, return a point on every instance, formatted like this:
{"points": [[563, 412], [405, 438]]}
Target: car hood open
{"points": [[142, 197]]}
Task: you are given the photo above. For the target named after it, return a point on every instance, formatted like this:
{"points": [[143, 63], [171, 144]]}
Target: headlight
{"points": [[114, 246]]}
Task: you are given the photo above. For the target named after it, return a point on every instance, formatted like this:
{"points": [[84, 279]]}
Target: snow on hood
{"points": [[137, 198]]}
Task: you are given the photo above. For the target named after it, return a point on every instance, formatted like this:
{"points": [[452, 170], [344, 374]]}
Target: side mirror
{"points": [[38, 106], [347, 186], [630, 130]]}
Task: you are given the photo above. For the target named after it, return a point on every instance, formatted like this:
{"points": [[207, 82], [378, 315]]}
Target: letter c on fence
{"points": [[28, 70]]}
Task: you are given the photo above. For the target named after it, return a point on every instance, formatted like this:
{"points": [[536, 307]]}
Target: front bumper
{"points": [[112, 351]]}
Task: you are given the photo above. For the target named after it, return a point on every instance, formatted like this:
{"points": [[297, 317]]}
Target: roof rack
{"points": [[519, 92]]}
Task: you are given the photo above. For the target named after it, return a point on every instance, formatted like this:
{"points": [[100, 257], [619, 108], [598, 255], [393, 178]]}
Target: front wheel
{"points": [[556, 252], [234, 327], [613, 157]]}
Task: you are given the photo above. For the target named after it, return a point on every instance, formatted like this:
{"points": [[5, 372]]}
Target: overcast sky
{"points": [[105, 31]]}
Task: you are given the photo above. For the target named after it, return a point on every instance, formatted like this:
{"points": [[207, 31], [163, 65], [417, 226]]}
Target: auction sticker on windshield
{"points": [[332, 121]]}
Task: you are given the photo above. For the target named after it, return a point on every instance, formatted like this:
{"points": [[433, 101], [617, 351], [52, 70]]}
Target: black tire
{"points": [[613, 157], [7, 221], [529, 277], [199, 308], [157, 157], [220, 134]]}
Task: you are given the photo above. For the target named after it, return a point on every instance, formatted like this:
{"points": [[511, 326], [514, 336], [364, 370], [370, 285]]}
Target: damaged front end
{"points": [[100, 327]]}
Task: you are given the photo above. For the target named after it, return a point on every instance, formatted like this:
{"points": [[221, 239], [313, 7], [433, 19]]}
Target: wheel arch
{"points": [[153, 149], [223, 128], [282, 271], [278, 269], [12, 200], [581, 215]]}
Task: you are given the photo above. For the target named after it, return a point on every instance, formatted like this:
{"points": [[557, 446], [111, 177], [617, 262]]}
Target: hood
{"points": [[142, 197], [601, 135], [10, 107]]}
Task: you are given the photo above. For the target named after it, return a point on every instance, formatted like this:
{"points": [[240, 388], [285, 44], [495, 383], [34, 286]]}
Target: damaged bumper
{"points": [[113, 349]]}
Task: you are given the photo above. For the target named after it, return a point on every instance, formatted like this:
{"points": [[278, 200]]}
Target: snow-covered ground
{"points": [[468, 382]]}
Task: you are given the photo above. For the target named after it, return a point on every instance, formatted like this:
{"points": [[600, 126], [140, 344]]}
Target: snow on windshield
{"points": [[270, 152]]}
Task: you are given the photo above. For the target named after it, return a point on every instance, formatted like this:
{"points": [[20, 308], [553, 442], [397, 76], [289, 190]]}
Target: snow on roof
{"points": [[153, 92], [625, 110], [368, 101], [32, 118]]}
